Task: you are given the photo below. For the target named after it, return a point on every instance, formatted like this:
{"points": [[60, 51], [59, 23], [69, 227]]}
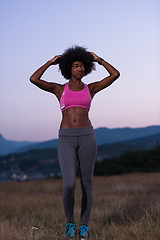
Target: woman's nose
{"points": [[80, 69]]}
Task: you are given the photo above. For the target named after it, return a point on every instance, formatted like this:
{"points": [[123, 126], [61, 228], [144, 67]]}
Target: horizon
{"points": [[45, 140]]}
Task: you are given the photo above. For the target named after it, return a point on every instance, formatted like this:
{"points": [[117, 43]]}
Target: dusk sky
{"points": [[124, 33]]}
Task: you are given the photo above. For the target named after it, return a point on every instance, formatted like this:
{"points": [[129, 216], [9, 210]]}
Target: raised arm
{"points": [[100, 85], [36, 77]]}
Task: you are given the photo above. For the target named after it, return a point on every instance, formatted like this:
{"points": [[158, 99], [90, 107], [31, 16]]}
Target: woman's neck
{"points": [[75, 82]]}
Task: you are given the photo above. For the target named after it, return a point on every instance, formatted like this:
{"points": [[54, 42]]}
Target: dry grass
{"points": [[125, 207]]}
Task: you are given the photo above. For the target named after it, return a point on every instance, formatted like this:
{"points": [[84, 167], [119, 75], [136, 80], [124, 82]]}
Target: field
{"points": [[125, 207]]}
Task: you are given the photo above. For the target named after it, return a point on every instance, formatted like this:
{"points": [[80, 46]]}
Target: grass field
{"points": [[125, 207]]}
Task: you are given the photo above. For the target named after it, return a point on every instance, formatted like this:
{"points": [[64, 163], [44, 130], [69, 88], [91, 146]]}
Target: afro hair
{"points": [[73, 54]]}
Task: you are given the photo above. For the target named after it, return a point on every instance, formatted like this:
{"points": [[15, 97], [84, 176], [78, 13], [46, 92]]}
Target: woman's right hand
{"points": [[55, 60], [35, 78]]}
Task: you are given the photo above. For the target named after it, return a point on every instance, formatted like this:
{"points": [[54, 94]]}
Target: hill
{"points": [[106, 135], [130, 162], [33, 164], [115, 149], [8, 146], [41, 163], [103, 136], [43, 145]]}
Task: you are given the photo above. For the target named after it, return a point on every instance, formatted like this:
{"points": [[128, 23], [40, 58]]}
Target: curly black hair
{"points": [[75, 53]]}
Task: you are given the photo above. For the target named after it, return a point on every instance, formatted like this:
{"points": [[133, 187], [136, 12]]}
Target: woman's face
{"points": [[78, 70]]}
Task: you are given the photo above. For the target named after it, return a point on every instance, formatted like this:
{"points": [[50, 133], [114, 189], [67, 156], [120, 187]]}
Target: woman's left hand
{"points": [[95, 57]]}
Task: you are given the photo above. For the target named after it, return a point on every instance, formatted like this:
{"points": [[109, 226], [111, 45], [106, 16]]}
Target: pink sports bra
{"points": [[71, 98]]}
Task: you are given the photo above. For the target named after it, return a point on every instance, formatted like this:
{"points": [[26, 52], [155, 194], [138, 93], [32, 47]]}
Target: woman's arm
{"points": [[36, 76], [100, 85]]}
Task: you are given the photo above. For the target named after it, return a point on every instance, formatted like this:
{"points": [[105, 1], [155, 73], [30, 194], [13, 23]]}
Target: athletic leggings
{"points": [[77, 144]]}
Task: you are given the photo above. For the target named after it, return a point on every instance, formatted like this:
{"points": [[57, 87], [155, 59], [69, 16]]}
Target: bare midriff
{"points": [[75, 117]]}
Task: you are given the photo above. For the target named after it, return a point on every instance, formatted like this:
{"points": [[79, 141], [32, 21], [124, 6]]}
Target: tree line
{"points": [[130, 162]]}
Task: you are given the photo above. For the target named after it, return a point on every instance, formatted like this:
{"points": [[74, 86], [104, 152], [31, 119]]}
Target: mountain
{"points": [[103, 136], [43, 145], [8, 146], [106, 135], [115, 149], [40, 163]]}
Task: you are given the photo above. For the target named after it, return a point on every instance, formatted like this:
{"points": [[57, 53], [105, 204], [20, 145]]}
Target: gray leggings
{"points": [[77, 144]]}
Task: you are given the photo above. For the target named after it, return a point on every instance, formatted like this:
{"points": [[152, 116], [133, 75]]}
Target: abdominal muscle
{"points": [[75, 117]]}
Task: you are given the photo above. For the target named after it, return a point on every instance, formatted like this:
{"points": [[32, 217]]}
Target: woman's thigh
{"points": [[87, 155], [67, 159]]}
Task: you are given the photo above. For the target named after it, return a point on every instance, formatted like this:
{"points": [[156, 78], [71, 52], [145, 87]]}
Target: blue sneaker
{"points": [[70, 230], [83, 232]]}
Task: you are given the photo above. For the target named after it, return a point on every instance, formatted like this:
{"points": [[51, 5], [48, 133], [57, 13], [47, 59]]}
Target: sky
{"points": [[124, 33]]}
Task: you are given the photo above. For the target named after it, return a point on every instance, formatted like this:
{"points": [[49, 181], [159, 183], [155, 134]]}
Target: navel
{"points": [[74, 120]]}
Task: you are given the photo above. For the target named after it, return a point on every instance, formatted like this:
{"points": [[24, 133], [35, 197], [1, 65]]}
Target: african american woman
{"points": [[76, 141]]}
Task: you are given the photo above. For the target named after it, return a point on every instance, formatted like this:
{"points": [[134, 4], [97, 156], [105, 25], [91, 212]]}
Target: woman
{"points": [[76, 136]]}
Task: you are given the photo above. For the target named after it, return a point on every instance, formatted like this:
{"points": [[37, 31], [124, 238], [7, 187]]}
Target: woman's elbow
{"points": [[32, 79], [117, 75]]}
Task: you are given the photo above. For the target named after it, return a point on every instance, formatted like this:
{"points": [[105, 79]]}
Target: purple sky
{"points": [[124, 33]]}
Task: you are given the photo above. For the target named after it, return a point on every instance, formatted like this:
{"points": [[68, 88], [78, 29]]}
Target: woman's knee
{"points": [[87, 183], [69, 188]]}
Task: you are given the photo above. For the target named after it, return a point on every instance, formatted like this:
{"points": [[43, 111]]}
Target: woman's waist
{"points": [[68, 123], [81, 131]]}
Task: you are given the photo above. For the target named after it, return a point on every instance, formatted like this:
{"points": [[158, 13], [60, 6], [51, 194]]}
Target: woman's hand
{"points": [[55, 60], [35, 78], [100, 85], [95, 57]]}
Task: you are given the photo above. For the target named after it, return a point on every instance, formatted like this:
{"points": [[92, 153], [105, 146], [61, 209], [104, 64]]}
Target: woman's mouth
{"points": [[81, 73]]}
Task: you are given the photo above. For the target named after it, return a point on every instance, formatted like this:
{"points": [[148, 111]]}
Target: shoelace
{"points": [[83, 229], [70, 228]]}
